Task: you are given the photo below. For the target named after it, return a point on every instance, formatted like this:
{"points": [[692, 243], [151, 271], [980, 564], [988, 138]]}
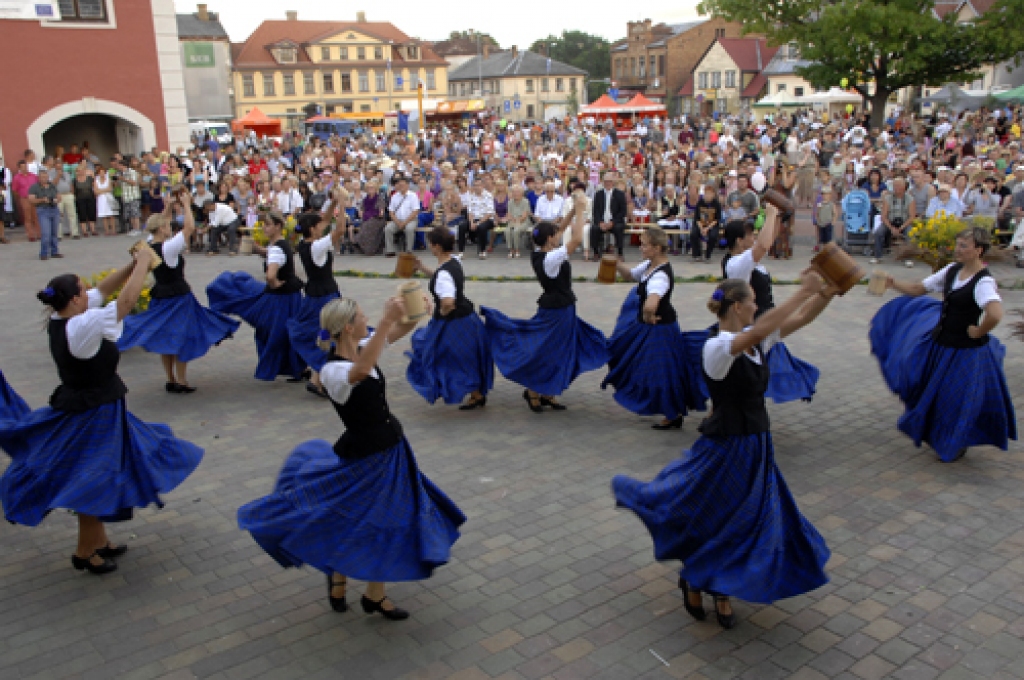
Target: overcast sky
{"points": [[510, 23]]}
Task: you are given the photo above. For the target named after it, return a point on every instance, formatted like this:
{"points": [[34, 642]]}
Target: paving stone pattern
{"points": [[549, 580]]}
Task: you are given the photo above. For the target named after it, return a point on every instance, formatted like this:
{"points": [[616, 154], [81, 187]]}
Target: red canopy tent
{"points": [[258, 122], [641, 104]]}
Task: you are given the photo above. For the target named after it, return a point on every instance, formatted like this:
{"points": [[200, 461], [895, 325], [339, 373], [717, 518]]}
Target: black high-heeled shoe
{"points": [[184, 389], [171, 387], [726, 621], [474, 403], [554, 405], [396, 614], [86, 564], [696, 612], [535, 404], [676, 423], [338, 604], [109, 553]]}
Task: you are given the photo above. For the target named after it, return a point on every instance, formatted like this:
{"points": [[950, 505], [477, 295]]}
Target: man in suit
{"points": [[609, 215]]}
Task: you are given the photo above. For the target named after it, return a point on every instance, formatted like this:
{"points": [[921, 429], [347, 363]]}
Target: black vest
{"points": [[286, 272], [85, 383], [557, 291], [761, 284], [369, 425], [666, 311], [319, 280], [737, 402], [959, 310], [463, 306], [170, 281]]}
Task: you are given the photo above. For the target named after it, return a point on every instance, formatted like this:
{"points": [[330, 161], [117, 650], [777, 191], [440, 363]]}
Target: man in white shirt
{"points": [[221, 218], [405, 209], [289, 200], [480, 209], [549, 205]]}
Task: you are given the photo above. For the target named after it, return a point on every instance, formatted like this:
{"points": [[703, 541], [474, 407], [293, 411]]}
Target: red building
{"points": [[103, 71]]}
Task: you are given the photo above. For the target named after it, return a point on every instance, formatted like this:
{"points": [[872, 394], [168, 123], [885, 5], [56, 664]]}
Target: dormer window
{"points": [[285, 55], [412, 52]]}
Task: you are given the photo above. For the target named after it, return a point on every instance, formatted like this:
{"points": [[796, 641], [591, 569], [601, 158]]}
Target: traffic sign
{"points": [[399, 81], [613, 92], [508, 106], [376, 99], [517, 104]]}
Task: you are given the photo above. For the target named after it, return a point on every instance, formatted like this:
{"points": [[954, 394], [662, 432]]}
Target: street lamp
{"points": [[479, 66]]}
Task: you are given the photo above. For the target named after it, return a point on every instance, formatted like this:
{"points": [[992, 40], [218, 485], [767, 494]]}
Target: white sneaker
{"points": [[909, 264], [134, 232], [873, 261]]}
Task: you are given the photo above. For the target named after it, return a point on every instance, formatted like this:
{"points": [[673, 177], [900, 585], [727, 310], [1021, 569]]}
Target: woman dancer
{"points": [[361, 508], [85, 452], [316, 252], [791, 378], [546, 353], [724, 508], [649, 364], [175, 325], [925, 346], [451, 357], [266, 306]]}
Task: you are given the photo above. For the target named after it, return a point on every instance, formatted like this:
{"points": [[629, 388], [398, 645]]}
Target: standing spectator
{"points": [[103, 187], [404, 208], [609, 215], [43, 197], [131, 195], [85, 199], [66, 192], [23, 181], [6, 199], [707, 221], [72, 157]]}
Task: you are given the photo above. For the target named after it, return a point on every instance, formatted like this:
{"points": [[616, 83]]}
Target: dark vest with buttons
{"points": [[463, 306], [666, 311], [319, 280], [286, 272], [369, 425], [959, 311], [85, 383], [170, 281], [761, 284], [557, 291], [738, 407]]}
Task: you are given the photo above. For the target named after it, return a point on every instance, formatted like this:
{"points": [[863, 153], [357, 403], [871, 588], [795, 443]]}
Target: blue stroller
{"points": [[857, 221]]}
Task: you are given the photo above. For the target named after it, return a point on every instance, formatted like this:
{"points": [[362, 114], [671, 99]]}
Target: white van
{"points": [[217, 130]]}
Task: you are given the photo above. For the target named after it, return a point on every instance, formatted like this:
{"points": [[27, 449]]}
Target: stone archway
{"points": [[145, 139]]}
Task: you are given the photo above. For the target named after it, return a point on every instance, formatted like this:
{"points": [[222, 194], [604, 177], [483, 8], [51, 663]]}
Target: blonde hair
{"points": [[657, 237], [334, 316], [155, 222], [732, 291]]}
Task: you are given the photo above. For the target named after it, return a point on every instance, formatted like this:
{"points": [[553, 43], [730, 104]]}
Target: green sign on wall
{"points": [[199, 55]]}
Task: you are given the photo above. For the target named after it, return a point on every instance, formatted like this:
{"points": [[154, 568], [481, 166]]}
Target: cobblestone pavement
{"points": [[549, 580]]}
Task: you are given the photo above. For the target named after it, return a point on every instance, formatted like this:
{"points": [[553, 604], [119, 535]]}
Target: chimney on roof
{"points": [[201, 12], [515, 51], [291, 15], [487, 50], [361, 17]]}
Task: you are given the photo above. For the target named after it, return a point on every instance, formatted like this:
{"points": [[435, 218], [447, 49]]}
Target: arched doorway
{"points": [[109, 126]]}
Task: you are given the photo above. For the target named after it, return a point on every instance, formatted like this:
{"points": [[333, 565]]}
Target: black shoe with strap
{"points": [[550, 401], [338, 604], [86, 564], [695, 611], [674, 424], [109, 552], [474, 403], [534, 402], [726, 621], [393, 614]]}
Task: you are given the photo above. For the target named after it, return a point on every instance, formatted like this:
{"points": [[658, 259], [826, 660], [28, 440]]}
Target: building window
{"points": [[364, 82], [346, 82], [268, 85], [544, 85], [328, 83], [414, 81], [782, 87], [462, 89], [360, 53], [686, 105], [346, 108], [286, 56], [529, 110], [431, 81], [529, 86], [289, 84], [572, 84], [702, 80], [654, 67], [413, 52], [364, 107], [248, 86], [643, 67], [378, 53], [398, 80], [719, 32], [720, 104], [716, 79], [496, 87], [661, 64], [618, 68], [452, 89], [343, 53], [632, 66], [308, 86], [730, 78], [82, 10], [559, 85], [798, 91], [381, 83], [325, 53]]}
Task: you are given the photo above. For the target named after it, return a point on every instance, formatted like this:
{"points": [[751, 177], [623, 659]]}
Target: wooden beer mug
{"points": [[779, 200], [415, 305], [405, 266], [153, 263], [608, 269], [837, 267]]}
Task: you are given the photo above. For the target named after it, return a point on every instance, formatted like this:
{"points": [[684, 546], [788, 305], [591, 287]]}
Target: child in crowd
{"points": [[824, 216], [735, 211]]}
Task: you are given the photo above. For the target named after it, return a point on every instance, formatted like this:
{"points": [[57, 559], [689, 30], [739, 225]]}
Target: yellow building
{"points": [[291, 68]]}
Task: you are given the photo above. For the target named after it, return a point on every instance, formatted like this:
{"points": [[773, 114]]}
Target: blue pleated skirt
{"points": [[178, 326], [545, 353], [304, 327], [450, 360], [101, 462], [791, 378], [954, 398], [374, 519], [724, 509], [653, 368], [241, 295]]}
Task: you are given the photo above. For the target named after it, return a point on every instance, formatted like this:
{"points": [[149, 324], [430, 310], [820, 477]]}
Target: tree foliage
{"points": [[485, 38], [582, 50], [880, 46]]}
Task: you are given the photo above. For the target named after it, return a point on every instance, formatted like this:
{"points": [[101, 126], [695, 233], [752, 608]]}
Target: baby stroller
{"points": [[857, 221]]}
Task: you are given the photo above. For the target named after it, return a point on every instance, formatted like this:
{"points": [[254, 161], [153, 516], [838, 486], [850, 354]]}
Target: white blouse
{"points": [[553, 261], [87, 331], [742, 266], [718, 356], [334, 375], [985, 292], [444, 285], [321, 247], [657, 281], [172, 249]]}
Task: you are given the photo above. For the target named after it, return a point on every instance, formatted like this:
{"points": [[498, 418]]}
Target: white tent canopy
{"points": [[835, 95], [777, 100]]}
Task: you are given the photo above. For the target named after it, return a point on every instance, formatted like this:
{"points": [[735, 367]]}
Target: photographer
{"points": [[44, 198], [898, 213]]}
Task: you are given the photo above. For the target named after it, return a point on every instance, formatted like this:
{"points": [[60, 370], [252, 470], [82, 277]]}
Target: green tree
{"points": [[485, 38], [880, 46], [582, 50]]}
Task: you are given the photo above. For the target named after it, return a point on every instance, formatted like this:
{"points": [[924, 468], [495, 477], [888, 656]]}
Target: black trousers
{"points": [[618, 230], [479, 235], [698, 245]]}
